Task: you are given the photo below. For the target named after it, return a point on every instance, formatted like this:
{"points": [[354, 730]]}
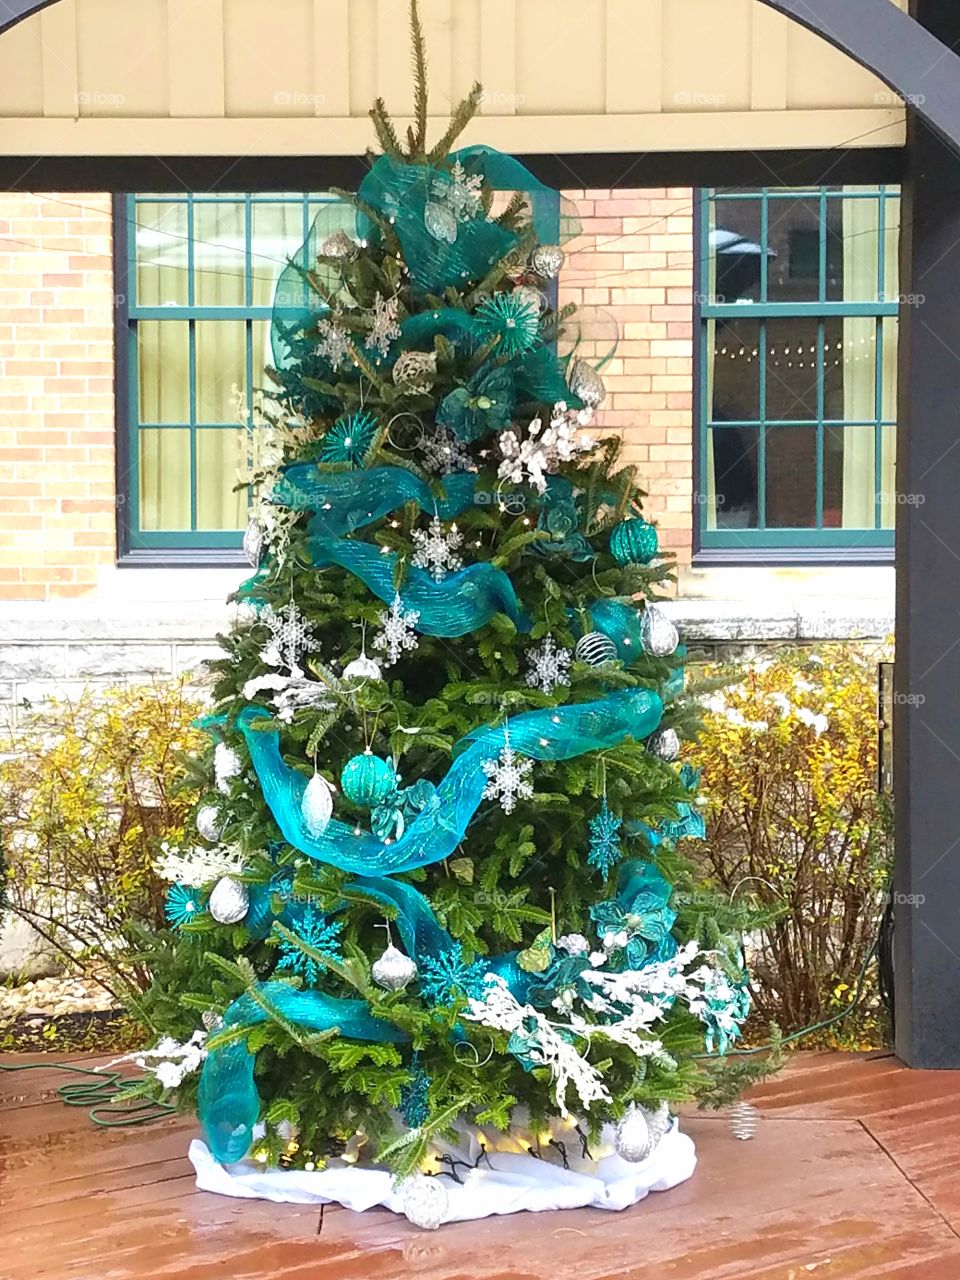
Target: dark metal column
{"points": [[927, 675]]}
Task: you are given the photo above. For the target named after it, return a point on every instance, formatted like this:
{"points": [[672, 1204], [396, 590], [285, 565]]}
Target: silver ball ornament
{"points": [[595, 648], [339, 245], [393, 971], [547, 260], [363, 668], [659, 1122], [657, 633], [253, 540], [229, 901], [585, 383], [317, 804], [425, 1201], [415, 371], [632, 1139], [226, 766], [210, 824], [212, 1021], [665, 744]]}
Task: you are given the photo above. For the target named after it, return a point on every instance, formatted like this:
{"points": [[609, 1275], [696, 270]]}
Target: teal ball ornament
{"points": [[368, 779], [633, 542]]}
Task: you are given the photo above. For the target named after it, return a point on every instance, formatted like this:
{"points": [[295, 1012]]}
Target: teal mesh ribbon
{"points": [[345, 501], [557, 733]]}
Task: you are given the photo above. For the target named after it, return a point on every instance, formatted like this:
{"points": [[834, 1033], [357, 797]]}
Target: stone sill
{"points": [[801, 621]]}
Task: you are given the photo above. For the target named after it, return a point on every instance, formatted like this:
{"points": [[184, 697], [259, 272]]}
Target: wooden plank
{"points": [[768, 60], [498, 57], [58, 39], [195, 57], [331, 65], [634, 55]]}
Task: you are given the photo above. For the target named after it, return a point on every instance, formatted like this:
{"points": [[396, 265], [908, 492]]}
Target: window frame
{"points": [[200, 548], [795, 545]]}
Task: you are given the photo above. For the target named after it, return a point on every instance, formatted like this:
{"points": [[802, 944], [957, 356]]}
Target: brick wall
{"points": [[57, 492], [634, 261]]}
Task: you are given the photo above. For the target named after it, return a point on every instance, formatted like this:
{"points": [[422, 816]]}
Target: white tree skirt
{"points": [[506, 1180]]}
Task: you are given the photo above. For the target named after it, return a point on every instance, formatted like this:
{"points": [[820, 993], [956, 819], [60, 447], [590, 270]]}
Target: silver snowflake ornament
{"points": [[437, 549], [384, 327], [465, 193], [549, 666], [509, 778], [444, 452], [291, 635], [334, 343], [398, 631]]}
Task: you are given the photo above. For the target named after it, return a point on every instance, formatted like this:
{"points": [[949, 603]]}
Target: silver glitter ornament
{"points": [[229, 901], [657, 633], [226, 766], [363, 668], [440, 221], [253, 540], [209, 822], [632, 1140], [339, 245], [585, 383], [743, 1120], [211, 1020], [425, 1201], [595, 648], [546, 260], [393, 971], [659, 1122], [665, 744], [415, 371], [317, 804], [532, 297]]}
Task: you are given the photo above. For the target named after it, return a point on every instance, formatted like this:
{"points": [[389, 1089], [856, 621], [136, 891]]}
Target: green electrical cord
{"points": [[98, 1095]]}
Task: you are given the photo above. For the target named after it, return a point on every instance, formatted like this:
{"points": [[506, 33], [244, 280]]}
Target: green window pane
{"points": [[792, 369], [732, 490], [735, 370], [849, 477], [221, 464], [736, 248], [887, 497], [853, 248], [850, 368], [793, 238], [164, 470], [160, 247], [163, 370], [277, 235], [219, 253], [888, 355], [791, 478], [221, 355]]}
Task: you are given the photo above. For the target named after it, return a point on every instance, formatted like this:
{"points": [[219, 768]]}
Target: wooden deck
{"points": [[854, 1173]]}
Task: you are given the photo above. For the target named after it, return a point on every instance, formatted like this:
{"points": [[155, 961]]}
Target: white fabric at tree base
{"points": [[516, 1181]]}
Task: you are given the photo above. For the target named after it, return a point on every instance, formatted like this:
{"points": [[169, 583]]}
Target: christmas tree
{"points": [[440, 879]]}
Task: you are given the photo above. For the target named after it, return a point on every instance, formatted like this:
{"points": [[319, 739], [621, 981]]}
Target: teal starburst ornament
{"points": [[183, 904], [511, 317], [605, 851], [316, 932], [447, 974], [350, 438]]}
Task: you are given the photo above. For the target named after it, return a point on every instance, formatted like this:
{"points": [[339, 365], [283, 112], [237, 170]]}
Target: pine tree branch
{"points": [[385, 131], [463, 113], [418, 137]]}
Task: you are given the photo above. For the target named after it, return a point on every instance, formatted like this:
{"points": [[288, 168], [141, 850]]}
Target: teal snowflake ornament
{"points": [[605, 851], [183, 904], [350, 438], [511, 317], [319, 934], [447, 974], [413, 1096]]}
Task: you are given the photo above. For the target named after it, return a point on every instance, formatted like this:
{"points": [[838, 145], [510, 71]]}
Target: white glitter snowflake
{"points": [[464, 193], [291, 636], [437, 549], [549, 666], [398, 631], [508, 776], [384, 328], [334, 344], [444, 452]]}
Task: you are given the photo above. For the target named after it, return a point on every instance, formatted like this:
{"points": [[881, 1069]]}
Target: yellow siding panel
{"points": [[196, 57], [706, 55], [820, 76], [498, 58], [634, 61], [122, 64], [269, 64], [464, 46], [561, 56], [21, 71], [58, 38], [362, 55]]}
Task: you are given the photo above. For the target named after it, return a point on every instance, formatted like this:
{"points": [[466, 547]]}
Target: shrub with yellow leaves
{"points": [[89, 788], [794, 818]]}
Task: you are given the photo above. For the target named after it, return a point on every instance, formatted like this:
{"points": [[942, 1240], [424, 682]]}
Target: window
{"points": [[200, 277], [797, 361]]}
